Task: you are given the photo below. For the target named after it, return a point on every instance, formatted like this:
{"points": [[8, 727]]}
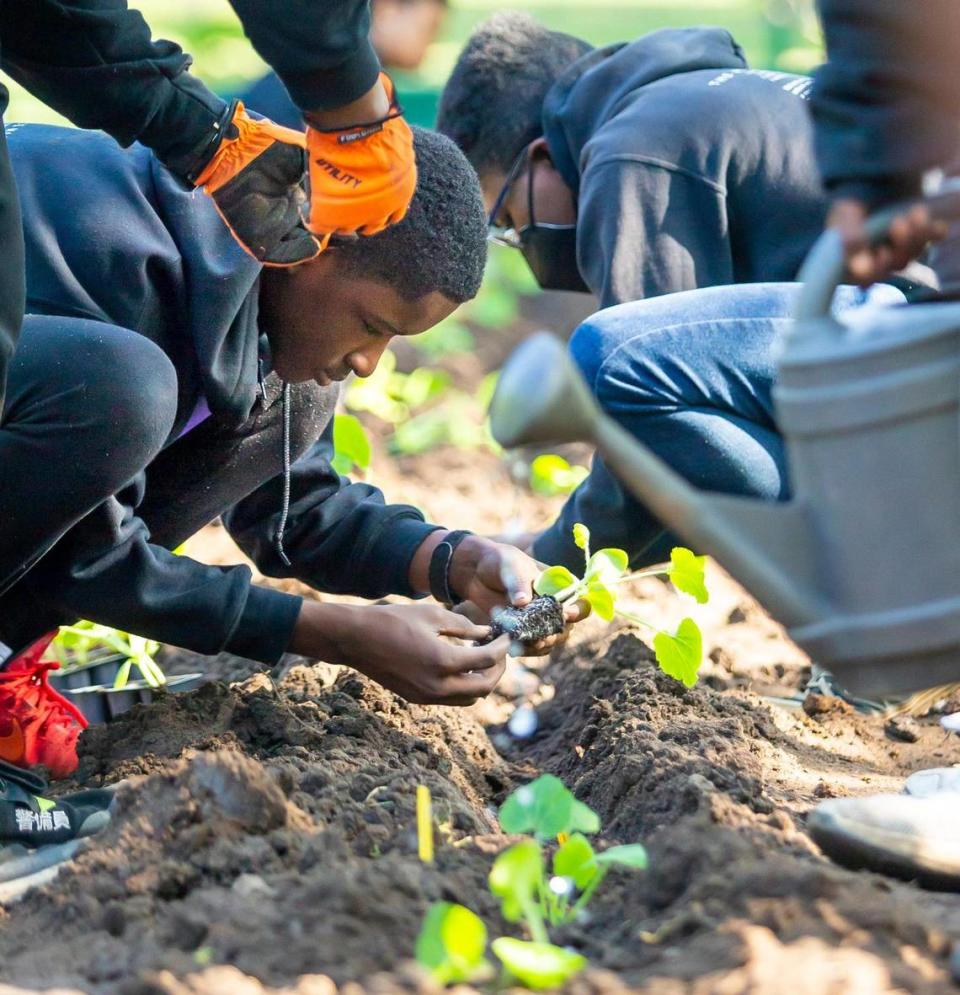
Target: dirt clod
{"points": [[902, 728]]}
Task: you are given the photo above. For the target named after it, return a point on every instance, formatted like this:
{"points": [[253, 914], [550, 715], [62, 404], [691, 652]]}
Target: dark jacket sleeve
{"points": [[645, 230], [95, 62], [340, 537], [319, 48], [106, 569], [887, 103]]}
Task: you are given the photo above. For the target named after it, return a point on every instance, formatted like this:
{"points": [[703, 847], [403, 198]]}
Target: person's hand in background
{"points": [[909, 234]]}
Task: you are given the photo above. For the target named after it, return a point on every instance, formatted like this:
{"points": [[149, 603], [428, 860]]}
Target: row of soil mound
{"points": [[264, 840]]}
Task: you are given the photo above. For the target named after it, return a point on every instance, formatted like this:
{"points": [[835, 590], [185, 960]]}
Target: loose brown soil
{"points": [[264, 839]]}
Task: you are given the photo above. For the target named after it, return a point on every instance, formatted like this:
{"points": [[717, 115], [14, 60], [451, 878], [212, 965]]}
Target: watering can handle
{"points": [[823, 269]]}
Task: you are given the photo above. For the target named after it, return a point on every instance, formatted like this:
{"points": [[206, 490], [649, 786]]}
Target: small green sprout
{"points": [[546, 808], [459, 420], [393, 396], [85, 642], [452, 943], [453, 939], [679, 654], [551, 474], [351, 445]]}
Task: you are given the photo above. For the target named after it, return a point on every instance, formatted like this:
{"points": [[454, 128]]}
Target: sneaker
{"points": [[37, 724], [935, 781], [37, 834], [905, 836]]}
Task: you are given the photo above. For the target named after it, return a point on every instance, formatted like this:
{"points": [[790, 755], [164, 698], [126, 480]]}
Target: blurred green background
{"points": [[776, 34]]}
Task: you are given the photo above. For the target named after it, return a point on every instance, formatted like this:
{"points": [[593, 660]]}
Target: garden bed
{"points": [[271, 827]]}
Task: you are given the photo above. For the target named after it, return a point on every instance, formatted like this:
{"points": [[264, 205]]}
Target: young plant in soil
{"points": [[527, 893], [551, 475], [679, 654], [76, 645], [351, 446]]}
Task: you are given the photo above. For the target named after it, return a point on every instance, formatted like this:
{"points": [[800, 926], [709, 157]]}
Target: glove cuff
{"points": [[192, 164], [364, 129]]}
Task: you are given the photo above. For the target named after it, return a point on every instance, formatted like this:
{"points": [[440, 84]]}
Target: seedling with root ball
{"points": [[679, 653]]}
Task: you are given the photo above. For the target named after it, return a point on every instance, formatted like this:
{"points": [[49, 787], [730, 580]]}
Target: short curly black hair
{"points": [[441, 244], [493, 102]]}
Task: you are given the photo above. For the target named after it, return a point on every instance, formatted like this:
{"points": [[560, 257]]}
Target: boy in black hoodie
{"points": [[191, 382]]}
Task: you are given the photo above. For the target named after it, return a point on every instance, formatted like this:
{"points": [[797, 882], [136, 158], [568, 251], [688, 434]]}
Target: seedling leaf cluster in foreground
{"points": [[452, 941], [680, 653]]}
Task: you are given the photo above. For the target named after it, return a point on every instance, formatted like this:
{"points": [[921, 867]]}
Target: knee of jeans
{"points": [[587, 347]]}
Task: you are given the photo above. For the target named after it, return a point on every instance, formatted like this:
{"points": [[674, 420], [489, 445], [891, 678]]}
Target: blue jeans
{"points": [[689, 375]]}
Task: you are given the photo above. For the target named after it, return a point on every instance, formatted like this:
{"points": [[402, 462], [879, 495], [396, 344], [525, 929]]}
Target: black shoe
{"points": [[37, 834]]}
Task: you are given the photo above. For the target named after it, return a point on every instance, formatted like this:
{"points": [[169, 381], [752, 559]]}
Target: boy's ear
{"points": [[539, 150]]}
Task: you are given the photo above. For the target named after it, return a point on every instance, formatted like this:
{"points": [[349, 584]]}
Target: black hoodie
{"points": [[690, 169]]}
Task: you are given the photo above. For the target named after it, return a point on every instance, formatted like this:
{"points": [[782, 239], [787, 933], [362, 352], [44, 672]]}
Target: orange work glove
{"points": [[362, 178], [255, 178]]}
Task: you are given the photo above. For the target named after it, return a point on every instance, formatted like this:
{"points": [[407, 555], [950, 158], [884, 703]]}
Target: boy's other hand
{"points": [[910, 233], [405, 648], [491, 575]]}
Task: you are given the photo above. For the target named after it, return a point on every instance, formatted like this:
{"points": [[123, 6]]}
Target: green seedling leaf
{"points": [[516, 878], [484, 393], [123, 676], [422, 385], [553, 580], [542, 807], [538, 965], [451, 944], [601, 600], [551, 475], [686, 573], [575, 860], [546, 808], [679, 655], [631, 855], [583, 819], [351, 444], [581, 536], [606, 566]]}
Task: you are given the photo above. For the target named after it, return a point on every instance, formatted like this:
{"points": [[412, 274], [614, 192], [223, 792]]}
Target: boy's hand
{"points": [[255, 178], [909, 235], [402, 647], [490, 575]]}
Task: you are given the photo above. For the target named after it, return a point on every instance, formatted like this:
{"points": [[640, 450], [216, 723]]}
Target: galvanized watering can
{"points": [[862, 565]]}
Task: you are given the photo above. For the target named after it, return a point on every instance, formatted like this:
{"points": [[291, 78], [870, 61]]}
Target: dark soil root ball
{"points": [[541, 618]]}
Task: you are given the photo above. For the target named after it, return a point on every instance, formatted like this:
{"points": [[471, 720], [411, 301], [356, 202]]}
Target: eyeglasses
{"points": [[496, 232]]}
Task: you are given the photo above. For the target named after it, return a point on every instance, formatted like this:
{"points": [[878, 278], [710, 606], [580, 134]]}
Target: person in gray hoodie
{"points": [[637, 169]]}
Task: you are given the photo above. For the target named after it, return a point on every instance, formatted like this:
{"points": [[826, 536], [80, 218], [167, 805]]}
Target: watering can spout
{"points": [[541, 398]]}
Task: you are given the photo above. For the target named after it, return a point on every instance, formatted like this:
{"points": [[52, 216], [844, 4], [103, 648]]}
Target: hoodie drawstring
{"points": [[285, 511]]}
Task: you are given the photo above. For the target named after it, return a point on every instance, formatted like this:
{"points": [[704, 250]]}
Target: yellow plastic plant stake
{"points": [[424, 824]]}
